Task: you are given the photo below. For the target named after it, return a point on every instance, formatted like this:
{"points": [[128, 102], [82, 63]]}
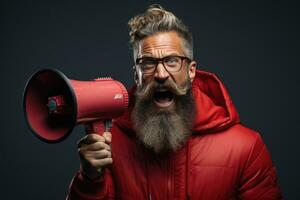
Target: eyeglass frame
{"points": [[161, 60]]}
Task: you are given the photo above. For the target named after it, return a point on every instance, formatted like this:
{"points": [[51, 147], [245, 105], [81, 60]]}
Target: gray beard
{"points": [[164, 130]]}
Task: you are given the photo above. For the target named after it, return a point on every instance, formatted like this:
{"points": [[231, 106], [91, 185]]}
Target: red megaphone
{"points": [[53, 104]]}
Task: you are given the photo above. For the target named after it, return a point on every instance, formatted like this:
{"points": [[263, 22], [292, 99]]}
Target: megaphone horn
{"points": [[54, 104]]}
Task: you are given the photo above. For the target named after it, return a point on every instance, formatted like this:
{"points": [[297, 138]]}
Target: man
{"points": [[181, 137]]}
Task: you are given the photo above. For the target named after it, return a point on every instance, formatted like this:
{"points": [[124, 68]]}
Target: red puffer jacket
{"points": [[222, 160]]}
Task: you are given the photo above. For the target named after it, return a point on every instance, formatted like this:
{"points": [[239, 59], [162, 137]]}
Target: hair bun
{"points": [[156, 6]]}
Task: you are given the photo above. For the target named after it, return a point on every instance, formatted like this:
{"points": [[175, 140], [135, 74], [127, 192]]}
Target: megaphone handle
{"points": [[98, 127]]}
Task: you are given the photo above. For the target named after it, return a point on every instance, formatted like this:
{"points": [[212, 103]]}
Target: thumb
{"points": [[107, 136]]}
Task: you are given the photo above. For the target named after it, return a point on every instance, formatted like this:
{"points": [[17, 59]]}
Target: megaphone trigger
{"points": [[108, 124]]}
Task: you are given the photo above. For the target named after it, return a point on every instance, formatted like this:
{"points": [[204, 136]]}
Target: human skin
{"points": [[95, 153], [164, 44], [94, 150]]}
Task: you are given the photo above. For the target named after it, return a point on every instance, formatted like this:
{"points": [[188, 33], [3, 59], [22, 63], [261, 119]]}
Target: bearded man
{"points": [[181, 137]]}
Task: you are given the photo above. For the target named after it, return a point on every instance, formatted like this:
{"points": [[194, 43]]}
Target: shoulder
{"points": [[241, 136], [245, 139], [237, 136], [232, 147]]}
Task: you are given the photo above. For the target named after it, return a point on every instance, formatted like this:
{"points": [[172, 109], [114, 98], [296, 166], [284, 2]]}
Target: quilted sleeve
{"points": [[83, 189], [259, 178]]}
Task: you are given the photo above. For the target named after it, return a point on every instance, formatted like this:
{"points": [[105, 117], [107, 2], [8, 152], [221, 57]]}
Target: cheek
{"points": [[181, 78], [146, 79]]}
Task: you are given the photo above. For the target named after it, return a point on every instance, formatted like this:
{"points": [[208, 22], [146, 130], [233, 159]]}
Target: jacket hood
{"points": [[214, 110]]}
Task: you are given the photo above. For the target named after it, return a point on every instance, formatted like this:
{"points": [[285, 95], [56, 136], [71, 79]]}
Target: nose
{"points": [[161, 74]]}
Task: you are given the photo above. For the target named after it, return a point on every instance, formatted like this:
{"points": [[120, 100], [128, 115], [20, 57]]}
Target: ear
{"points": [[192, 70]]}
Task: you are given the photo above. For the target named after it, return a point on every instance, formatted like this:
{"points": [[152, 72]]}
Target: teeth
{"points": [[162, 90]]}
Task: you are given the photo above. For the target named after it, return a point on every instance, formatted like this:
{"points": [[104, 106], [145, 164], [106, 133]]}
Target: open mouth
{"points": [[163, 98]]}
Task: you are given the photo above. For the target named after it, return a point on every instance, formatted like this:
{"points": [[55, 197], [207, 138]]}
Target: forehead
{"points": [[161, 44]]}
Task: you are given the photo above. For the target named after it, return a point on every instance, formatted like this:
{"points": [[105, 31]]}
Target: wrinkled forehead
{"points": [[160, 45]]}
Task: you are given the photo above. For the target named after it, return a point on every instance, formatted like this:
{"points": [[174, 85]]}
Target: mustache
{"points": [[148, 91]]}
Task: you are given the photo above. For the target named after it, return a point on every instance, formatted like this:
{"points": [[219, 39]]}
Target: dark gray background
{"points": [[253, 47]]}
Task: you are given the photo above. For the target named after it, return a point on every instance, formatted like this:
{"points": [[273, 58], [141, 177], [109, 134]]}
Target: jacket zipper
{"points": [[169, 180], [187, 173]]}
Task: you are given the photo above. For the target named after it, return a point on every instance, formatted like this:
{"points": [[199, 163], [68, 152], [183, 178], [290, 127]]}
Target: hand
{"points": [[95, 154]]}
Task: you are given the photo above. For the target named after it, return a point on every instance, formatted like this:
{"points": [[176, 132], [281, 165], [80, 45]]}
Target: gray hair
{"points": [[157, 19]]}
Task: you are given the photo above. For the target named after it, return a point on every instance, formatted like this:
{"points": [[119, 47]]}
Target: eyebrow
{"points": [[148, 56]]}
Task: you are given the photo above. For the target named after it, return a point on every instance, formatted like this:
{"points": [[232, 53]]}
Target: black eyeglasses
{"points": [[148, 65]]}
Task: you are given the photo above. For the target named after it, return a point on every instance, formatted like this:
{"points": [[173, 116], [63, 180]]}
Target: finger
{"points": [[95, 147], [107, 136], [101, 163], [90, 138], [97, 155]]}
